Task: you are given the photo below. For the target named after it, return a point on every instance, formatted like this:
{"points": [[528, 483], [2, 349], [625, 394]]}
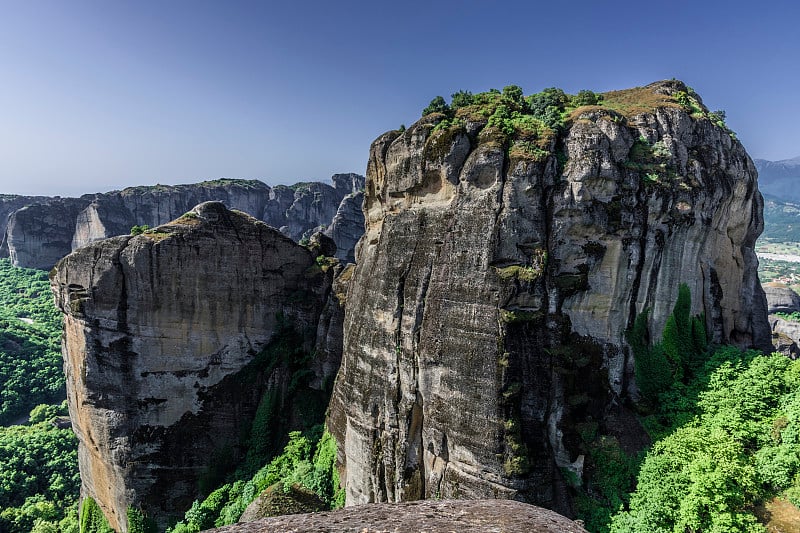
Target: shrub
{"points": [[585, 97], [138, 230]]}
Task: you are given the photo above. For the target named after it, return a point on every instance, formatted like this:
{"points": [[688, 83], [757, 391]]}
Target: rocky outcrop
{"points": [[781, 298], [486, 317], [171, 341], [432, 515], [347, 226], [278, 500], [52, 228], [783, 301]]}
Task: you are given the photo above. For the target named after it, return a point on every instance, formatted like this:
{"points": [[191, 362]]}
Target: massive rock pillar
{"points": [[485, 323]]}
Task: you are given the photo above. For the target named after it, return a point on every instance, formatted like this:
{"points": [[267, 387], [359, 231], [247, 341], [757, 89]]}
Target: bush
{"points": [[296, 465]]}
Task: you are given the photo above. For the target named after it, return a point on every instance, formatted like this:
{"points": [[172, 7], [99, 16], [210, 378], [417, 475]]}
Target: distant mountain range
{"points": [[780, 178]]}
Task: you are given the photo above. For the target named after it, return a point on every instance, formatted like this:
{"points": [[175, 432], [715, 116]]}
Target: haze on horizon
{"points": [[101, 95]]}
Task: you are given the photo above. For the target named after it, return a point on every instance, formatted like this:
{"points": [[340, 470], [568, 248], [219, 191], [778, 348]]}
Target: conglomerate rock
{"points": [[451, 516], [162, 344], [486, 317]]}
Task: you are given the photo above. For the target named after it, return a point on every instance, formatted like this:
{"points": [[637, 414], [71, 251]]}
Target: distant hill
{"points": [[780, 178], [781, 220]]}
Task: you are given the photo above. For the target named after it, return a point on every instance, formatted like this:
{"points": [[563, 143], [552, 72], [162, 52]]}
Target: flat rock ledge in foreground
{"points": [[462, 516]]}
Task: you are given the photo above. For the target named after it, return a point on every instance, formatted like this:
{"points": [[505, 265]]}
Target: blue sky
{"points": [[99, 95]]}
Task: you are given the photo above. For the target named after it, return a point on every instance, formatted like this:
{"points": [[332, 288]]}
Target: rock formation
{"points": [[445, 515], [47, 230], [499, 272], [163, 351]]}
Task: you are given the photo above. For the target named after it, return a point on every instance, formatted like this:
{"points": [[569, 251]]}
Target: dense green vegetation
{"points": [[39, 478], [307, 461], [38, 462], [741, 445], [726, 432], [30, 336]]}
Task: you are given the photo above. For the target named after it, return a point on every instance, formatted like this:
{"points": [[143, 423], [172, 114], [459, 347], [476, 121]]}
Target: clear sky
{"points": [[99, 95]]}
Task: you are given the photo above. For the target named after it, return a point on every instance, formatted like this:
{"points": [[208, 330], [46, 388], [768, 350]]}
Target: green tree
{"points": [[585, 97], [684, 337], [461, 99], [437, 105], [514, 94]]}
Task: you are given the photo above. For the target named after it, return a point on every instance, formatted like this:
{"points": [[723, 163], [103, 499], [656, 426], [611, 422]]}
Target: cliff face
{"points": [[48, 230], [8, 204], [162, 336], [498, 274], [38, 235]]}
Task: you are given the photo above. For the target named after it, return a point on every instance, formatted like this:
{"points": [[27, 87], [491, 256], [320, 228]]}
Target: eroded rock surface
{"points": [[49, 229], [162, 336], [460, 516], [485, 323]]}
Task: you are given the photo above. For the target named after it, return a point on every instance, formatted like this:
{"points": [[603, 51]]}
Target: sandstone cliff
{"points": [[164, 352], [49, 229], [503, 262]]}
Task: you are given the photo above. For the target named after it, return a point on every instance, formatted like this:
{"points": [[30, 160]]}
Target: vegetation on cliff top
{"points": [[532, 121]]}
